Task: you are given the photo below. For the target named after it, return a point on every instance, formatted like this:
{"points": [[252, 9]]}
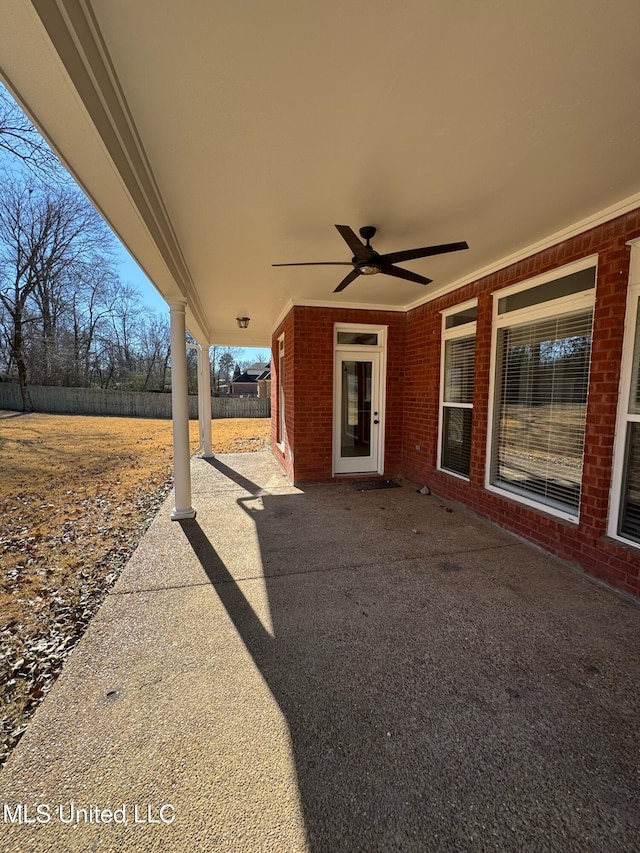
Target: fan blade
{"points": [[318, 264], [360, 251], [345, 281], [407, 274], [428, 251]]}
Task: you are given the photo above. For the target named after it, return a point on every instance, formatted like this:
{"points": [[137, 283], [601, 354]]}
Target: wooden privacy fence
{"points": [[132, 404]]}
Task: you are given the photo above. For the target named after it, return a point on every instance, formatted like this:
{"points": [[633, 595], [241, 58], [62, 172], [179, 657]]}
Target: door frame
{"points": [[351, 351]]}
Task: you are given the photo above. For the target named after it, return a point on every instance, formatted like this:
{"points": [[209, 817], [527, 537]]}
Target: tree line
{"points": [[66, 316]]}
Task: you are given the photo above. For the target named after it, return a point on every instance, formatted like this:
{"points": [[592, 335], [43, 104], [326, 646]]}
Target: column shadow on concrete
{"points": [[432, 704], [233, 475]]}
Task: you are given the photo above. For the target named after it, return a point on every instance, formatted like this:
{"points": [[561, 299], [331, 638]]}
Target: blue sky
{"points": [[131, 273]]}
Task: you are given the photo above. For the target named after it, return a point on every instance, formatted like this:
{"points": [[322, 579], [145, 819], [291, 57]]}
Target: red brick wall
{"points": [[284, 455], [413, 382], [585, 544], [309, 352]]}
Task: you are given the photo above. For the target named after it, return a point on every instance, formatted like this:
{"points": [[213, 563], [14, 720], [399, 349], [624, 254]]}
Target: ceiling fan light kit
{"points": [[366, 261]]}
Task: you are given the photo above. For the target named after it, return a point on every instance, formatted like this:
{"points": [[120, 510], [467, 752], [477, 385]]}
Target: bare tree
{"points": [[20, 139], [65, 317], [223, 360], [261, 357], [155, 353], [45, 232]]}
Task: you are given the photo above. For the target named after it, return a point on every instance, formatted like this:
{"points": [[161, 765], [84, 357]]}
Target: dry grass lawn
{"points": [[76, 495]]}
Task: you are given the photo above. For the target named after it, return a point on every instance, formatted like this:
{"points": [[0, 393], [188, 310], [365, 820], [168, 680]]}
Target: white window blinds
{"points": [[629, 519], [540, 409], [457, 404], [459, 359]]}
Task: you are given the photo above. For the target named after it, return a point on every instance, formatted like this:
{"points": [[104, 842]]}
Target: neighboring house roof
{"points": [[245, 377], [258, 371], [257, 368]]}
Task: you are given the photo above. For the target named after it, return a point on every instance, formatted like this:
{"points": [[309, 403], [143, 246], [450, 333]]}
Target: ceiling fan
{"points": [[366, 261]]}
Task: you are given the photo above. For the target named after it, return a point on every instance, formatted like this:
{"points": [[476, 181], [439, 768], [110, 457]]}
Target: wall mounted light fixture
{"points": [[242, 322]]}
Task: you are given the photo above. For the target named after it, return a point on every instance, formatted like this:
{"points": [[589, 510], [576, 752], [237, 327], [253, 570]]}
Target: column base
{"points": [[181, 514], [206, 454]]}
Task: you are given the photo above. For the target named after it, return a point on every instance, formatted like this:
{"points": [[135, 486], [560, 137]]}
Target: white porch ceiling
{"points": [[221, 137]]}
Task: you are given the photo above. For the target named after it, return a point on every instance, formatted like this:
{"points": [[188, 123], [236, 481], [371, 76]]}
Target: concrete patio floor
{"points": [[334, 670]]}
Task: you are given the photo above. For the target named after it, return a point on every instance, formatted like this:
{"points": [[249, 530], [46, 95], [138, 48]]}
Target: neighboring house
{"points": [[247, 384], [509, 380]]}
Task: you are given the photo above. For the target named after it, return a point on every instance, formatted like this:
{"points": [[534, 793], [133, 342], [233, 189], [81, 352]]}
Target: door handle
{"points": [[376, 421]]}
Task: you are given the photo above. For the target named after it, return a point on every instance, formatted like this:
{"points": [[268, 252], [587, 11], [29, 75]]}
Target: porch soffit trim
{"points": [[74, 33]]}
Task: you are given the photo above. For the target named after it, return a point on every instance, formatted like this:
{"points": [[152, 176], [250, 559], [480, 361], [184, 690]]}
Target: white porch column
{"points": [[204, 390], [180, 411]]}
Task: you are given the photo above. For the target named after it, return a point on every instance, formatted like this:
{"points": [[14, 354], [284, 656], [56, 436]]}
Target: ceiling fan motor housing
{"points": [[367, 232], [369, 265]]}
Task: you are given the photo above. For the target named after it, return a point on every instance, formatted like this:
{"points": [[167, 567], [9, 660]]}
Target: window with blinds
{"points": [[629, 516], [540, 405], [281, 426], [458, 372]]}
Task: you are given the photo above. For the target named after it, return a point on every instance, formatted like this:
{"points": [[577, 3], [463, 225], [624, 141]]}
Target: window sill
{"points": [[546, 509], [462, 477], [616, 539]]}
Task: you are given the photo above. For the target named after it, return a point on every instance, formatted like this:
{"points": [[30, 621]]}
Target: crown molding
{"points": [[626, 205]]}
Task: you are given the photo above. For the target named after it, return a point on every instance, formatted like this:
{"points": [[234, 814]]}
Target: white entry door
{"points": [[358, 415]]}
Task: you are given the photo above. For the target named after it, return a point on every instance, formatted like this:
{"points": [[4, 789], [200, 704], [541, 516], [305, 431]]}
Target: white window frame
{"points": [[624, 418], [564, 305], [281, 406], [466, 330]]}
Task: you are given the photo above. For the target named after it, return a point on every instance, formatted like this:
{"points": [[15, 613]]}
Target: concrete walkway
{"points": [[335, 670]]}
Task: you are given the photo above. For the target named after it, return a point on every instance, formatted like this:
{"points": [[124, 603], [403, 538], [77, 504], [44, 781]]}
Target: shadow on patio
{"points": [[444, 685], [334, 670]]}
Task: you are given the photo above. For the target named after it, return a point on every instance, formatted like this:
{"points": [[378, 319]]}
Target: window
{"points": [[281, 429], [542, 354], [367, 339], [457, 381], [566, 286], [630, 501], [625, 522]]}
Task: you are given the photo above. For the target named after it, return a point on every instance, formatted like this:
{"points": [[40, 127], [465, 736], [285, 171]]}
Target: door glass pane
{"points": [[355, 425], [362, 338]]}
